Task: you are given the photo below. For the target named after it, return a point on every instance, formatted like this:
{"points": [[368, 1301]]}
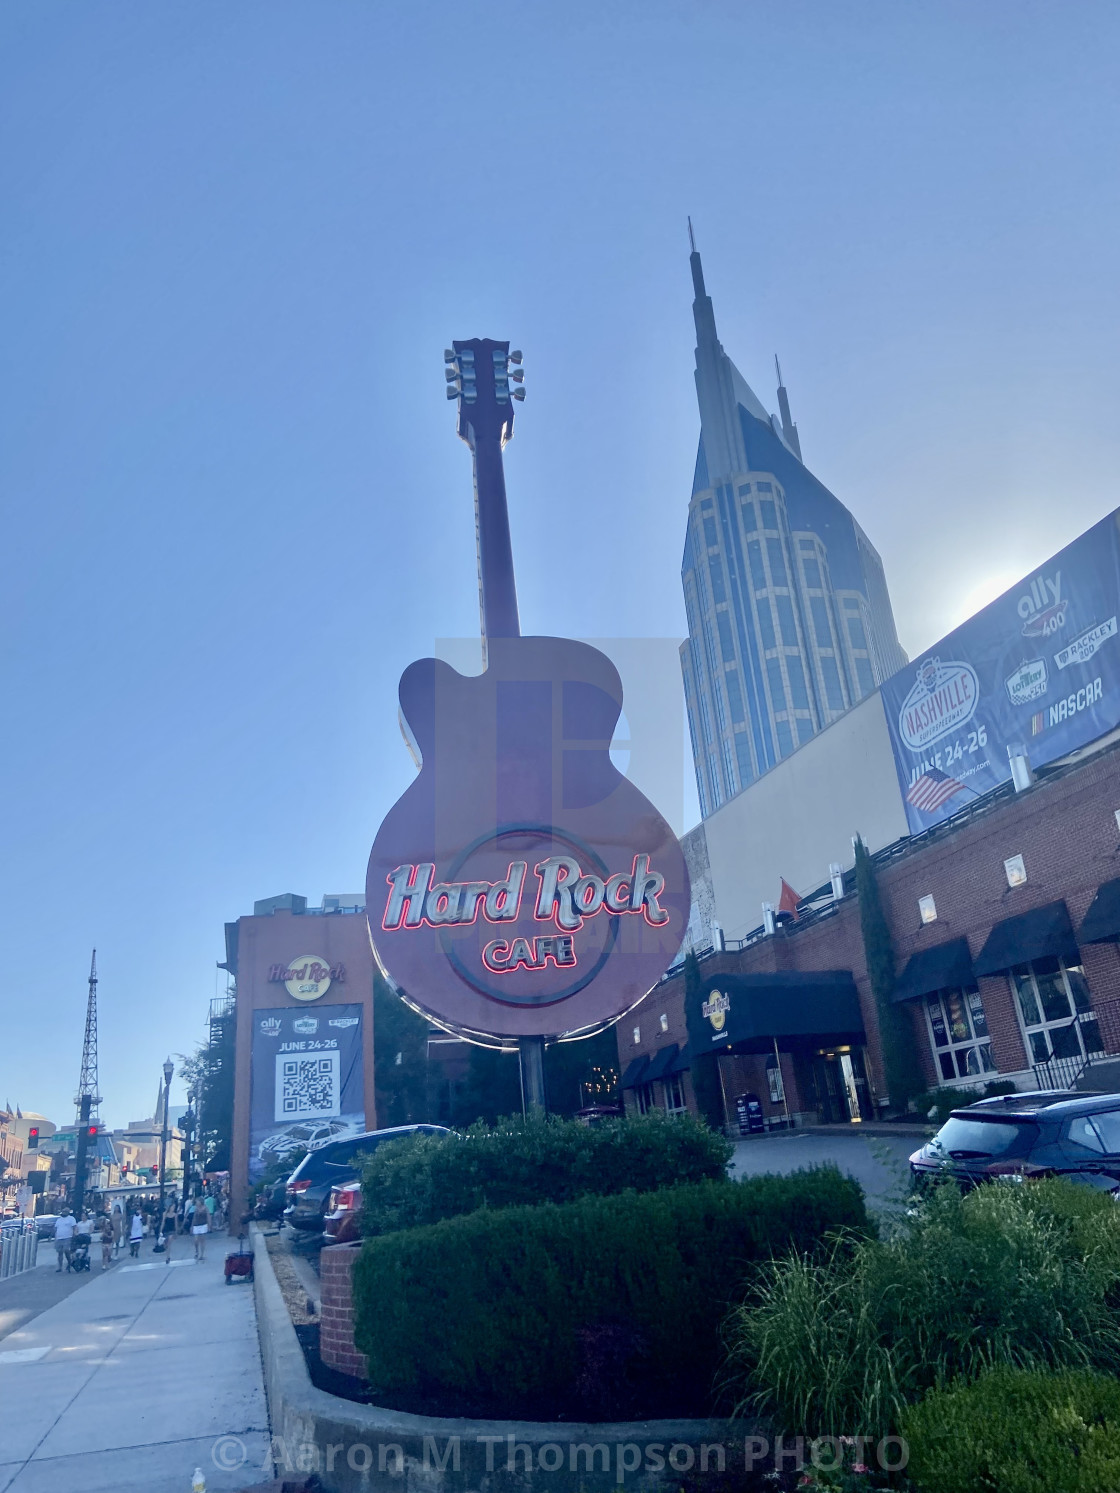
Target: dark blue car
{"points": [[1048, 1134]]}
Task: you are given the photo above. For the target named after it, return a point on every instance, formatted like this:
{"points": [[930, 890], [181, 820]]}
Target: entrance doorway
{"points": [[843, 1096]]}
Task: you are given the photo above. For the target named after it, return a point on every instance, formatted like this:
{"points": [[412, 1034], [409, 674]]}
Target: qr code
{"points": [[307, 1087]]}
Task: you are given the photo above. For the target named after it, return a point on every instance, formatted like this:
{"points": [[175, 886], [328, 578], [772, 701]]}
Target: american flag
{"points": [[932, 789]]}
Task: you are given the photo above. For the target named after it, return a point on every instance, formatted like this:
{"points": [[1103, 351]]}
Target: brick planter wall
{"points": [[336, 1329]]}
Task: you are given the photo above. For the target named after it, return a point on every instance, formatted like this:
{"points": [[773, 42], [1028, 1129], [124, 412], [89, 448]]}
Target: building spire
{"points": [[789, 429], [702, 311]]}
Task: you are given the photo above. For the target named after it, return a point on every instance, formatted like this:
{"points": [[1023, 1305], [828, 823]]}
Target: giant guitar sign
{"points": [[521, 886]]}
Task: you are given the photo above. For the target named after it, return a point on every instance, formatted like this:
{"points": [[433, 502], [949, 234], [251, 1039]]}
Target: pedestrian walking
{"points": [[136, 1233], [106, 1242], [211, 1203], [168, 1229], [200, 1227], [117, 1222], [64, 1238]]}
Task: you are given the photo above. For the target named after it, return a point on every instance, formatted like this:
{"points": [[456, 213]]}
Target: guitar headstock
{"points": [[485, 377]]}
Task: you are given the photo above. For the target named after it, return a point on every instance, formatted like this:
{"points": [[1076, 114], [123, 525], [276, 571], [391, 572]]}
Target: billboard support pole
{"points": [[531, 1050]]}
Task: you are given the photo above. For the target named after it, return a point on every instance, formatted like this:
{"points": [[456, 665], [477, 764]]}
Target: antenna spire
{"points": [[691, 238], [87, 1082]]}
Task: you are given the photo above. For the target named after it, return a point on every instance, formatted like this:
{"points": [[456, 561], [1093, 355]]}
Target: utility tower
{"points": [[87, 1099]]}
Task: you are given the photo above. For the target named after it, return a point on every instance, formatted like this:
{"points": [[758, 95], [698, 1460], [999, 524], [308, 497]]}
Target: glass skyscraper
{"points": [[789, 618]]}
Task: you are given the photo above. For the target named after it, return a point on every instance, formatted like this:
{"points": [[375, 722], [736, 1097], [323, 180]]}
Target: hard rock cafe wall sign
{"points": [[521, 886]]}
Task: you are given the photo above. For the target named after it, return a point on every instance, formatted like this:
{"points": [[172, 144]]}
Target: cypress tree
{"points": [[705, 1070], [901, 1065], [400, 1059]]}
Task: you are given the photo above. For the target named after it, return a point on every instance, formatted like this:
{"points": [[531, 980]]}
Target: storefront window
{"points": [[674, 1093], [643, 1098], [958, 1030], [1055, 1010]]}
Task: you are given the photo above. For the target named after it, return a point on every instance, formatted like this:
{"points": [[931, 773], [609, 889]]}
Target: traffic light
{"points": [[153, 1171], [124, 1168], [33, 1138], [91, 1130]]}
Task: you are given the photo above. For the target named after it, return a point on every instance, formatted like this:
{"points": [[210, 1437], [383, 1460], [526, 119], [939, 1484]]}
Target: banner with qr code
{"points": [[307, 1084]]}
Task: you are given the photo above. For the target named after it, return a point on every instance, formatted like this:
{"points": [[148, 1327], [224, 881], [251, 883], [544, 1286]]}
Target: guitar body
{"points": [[522, 886]]}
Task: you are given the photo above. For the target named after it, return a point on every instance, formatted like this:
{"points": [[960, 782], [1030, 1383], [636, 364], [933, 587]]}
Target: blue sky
{"points": [[235, 240]]}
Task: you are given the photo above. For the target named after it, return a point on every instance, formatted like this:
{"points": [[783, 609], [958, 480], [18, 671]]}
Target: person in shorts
{"points": [[200, 1227], [136, 1233], [64, 1238], [106, 1235]]}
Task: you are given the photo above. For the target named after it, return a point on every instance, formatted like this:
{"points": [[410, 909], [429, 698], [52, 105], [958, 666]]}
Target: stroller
{"points": [[79, 1254]]}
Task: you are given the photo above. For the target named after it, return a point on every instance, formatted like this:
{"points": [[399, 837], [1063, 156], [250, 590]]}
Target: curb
{"points": [[367, 1449]]}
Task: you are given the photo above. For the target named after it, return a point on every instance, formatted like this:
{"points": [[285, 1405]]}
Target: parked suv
{"points": [[334, 1165], [1048, 1134]]}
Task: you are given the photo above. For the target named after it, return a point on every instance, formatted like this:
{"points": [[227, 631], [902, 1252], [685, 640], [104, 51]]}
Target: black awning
{"points": [[659, 1064], [1032, 935], [635, 1073], [1102, 921], [947, 966], [682, 1062], [787, 1004]]}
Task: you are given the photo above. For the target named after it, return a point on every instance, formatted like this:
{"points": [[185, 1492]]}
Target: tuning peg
{"points": [[515, 357], [451, 374], [452, 391], [517, 374], [449, 355], [519, 392]]}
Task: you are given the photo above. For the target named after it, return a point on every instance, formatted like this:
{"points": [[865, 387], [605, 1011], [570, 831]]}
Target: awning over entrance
{"points": [[635, 1073], [1032, 935], [660, 1064], [682, 1062], [947, 966], [1102, 921], [748, 1012]]}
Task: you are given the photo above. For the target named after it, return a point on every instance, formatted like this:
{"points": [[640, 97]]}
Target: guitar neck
{"points": [[497, 589]]}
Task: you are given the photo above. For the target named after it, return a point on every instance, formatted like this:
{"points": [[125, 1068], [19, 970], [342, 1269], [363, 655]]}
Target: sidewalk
{"points": [[129, 1384], [24, 1296]]}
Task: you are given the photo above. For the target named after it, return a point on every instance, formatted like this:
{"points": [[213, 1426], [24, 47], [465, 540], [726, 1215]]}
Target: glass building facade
{"points": [[789, 618]]}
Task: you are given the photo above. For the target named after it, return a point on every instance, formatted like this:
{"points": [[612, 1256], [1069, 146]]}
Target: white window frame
{"points": [[957, 1049], [1038, 1040], [643, 1098], [674, 1091]]}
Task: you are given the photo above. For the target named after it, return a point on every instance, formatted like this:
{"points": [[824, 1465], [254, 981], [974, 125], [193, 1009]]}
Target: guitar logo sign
{"points": [[521, 886]]}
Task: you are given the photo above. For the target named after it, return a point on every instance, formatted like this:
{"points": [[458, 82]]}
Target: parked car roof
{"points": [[1055, 1104], [338, 1152]]}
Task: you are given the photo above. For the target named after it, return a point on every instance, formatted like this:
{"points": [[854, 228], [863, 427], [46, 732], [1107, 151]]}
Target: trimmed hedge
{"points": [[425, 1178], [1018, 1432], [604, 1308]]}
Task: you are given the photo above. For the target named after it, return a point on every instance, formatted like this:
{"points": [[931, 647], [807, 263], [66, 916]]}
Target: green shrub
{"points": [[1018, 1432], [1022, 1276], [943, 1101], [602, 1308], [425, 1178]]}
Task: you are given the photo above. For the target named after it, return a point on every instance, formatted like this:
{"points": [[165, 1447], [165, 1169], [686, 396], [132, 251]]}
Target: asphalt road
{"points": [[879, 1164]]}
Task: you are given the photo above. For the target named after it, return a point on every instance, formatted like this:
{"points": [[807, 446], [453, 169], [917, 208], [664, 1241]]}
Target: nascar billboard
{"points": [[1039, 668]]}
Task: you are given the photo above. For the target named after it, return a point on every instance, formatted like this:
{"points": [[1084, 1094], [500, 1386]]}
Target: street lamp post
{"points": [[168, 1070], [187, 1126]]}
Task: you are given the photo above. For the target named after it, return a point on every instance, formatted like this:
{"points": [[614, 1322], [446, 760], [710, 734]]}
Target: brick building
{"points": [[1005, 922]]}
